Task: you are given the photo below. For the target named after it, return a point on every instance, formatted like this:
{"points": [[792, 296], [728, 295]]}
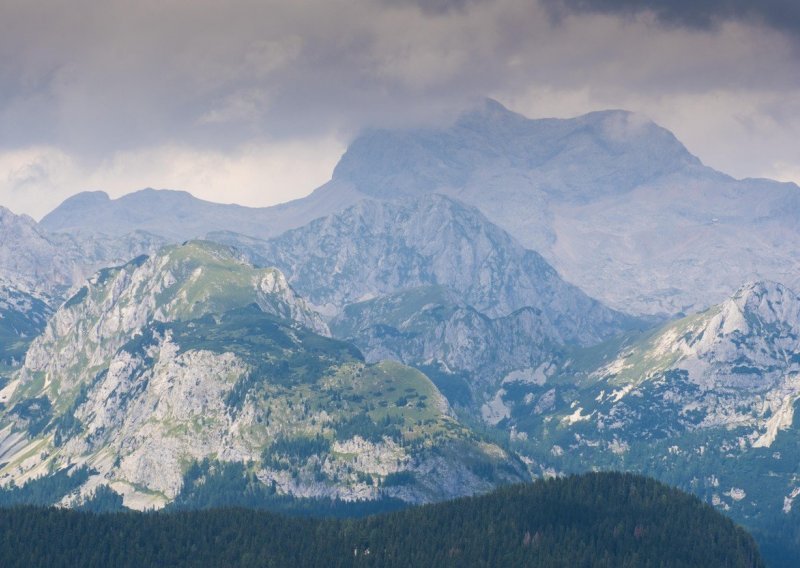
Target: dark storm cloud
{"points": [[92, 79], [783, 15], [437, 7], [115, 75]]}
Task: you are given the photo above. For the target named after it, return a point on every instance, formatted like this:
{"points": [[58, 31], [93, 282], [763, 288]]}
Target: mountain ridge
{"points": [[706, 402], [613, 201], [375, 248], [193, 356]]}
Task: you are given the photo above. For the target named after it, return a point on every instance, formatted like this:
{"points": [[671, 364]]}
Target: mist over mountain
{"points": [[613, 201], [400, 283], [580, 159]]}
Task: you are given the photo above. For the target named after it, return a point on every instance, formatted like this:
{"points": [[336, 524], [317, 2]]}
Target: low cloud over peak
{"points": [[205, 96]]}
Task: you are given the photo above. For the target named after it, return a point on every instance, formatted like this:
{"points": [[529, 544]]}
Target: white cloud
{"points": [[247, 105], [744, 134], [121, 95], [35, 180]]}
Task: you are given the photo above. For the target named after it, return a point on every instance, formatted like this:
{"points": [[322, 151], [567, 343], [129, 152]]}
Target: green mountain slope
{"points": [[195, 356]]}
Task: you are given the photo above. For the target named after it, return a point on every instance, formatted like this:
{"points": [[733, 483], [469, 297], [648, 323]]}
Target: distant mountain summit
{"points": [[612, 200], [615, 202], [174, 215], [432, 283], [601, 153], [375, 248], [494, 256]]}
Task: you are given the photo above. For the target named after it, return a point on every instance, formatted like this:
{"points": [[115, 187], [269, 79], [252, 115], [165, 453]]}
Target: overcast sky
{"points": [[254, 101]]}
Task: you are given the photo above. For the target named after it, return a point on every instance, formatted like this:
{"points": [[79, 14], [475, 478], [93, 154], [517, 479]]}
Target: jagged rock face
{"points": [[31, 272], [87, 252], [193, 354], [450, 292], [614, 202], [707, 402], [181, 283], [28, 255], [377, 248], [23, 316], [37, 270], [430, 327], [51, 263], [751, 341]]}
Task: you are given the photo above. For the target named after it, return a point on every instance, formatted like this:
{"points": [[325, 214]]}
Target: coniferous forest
{"points": [[598, 519]]}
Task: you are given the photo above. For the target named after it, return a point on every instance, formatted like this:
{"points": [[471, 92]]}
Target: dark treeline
{"points": [[603, 519]]}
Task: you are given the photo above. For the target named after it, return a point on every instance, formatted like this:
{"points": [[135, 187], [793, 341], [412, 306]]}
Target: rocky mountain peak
{"points": [[763, 307], [180, 283], [192, 354], [389, 164], [489, 112], [376, 248]]}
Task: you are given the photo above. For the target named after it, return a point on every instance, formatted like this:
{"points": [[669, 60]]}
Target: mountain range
{"points": [[706, 401], [613, 201], [191, 355], [458, 308]]}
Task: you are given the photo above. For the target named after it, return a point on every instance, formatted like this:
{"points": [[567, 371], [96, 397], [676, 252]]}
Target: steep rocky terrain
{"points": [[23, 316], [38, 269], [466, 353], [27, 254], [193, 355], [613, 201], [420, 250], [706, 402], [34, 258], [376, 248], [431, 283]]}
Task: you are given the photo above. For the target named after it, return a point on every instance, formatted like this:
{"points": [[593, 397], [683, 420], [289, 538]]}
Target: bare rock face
{"points": [[707, 401], [377, 248], [23, 316], [52, 263], [27, 254], [431, 328], [193, 355], [613, 201], [432, 283]]}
